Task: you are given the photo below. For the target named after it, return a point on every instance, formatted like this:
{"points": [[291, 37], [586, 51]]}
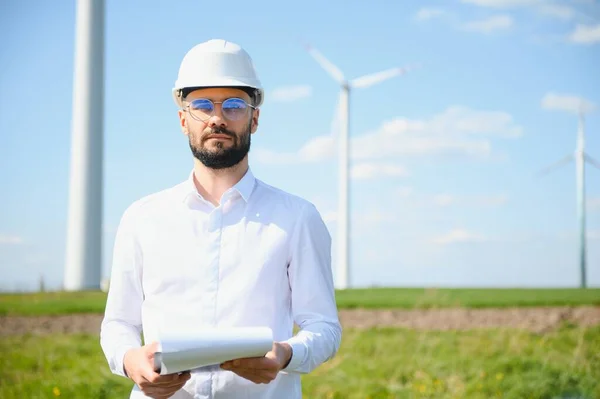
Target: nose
{"points": [[217, 118]]}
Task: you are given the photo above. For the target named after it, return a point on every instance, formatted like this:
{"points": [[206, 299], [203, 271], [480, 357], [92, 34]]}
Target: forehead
{"points": [[218, 93]]}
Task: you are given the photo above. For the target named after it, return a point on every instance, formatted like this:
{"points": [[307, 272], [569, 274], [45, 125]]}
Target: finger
{"points": [[149, 374], [154, 379], [262, 375], [256, 363], [168, 384], [254, 377], [150, 350], [151, 347], [163, 392], [171, 379], [269, 374]]}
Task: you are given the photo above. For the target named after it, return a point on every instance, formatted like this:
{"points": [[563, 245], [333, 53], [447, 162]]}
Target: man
{"points": [[221, 249]]}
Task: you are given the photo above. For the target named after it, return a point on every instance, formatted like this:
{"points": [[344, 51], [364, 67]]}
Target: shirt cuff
{"points": [[299, 352], [119, 361]]}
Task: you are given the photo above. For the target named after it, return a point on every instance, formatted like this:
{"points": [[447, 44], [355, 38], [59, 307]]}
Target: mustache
{"points": [[221, 130]]}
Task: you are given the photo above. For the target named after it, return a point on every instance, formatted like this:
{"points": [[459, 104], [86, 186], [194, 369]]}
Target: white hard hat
{"points": [[217, 63]]}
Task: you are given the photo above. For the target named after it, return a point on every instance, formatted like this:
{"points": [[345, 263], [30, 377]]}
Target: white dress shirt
{"points": [[260, 258]]}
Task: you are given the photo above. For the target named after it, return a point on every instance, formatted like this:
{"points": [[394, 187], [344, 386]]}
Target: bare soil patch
{"points": [[538, 319]]}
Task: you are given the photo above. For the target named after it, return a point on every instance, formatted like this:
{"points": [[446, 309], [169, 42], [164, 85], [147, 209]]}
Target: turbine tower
{"points": [[580, 157], [83, 267], [343, 112]]}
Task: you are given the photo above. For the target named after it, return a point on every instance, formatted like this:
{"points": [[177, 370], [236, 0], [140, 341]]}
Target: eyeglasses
{"points": [[233, 108]]}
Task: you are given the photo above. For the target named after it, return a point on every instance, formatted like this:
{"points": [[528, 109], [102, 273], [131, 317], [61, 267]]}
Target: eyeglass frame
{"points": [[186, 108]]}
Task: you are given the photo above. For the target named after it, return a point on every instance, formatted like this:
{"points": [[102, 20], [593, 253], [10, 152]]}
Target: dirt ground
{"points": [[539, 319]]}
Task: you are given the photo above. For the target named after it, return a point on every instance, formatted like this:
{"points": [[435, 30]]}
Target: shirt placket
{"points": [[215, 224], [209, 306]]}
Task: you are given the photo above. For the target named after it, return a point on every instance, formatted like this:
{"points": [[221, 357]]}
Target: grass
{"points": [[465, 297], [54, 303], [378, 363]]}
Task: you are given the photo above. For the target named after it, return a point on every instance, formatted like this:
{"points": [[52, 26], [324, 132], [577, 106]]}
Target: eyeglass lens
{"points": [[232, 108]]}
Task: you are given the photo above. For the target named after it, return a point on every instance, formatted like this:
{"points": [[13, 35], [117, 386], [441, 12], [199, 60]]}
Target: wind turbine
{"points": [[580, 157], [343, 113], [83, 268]]}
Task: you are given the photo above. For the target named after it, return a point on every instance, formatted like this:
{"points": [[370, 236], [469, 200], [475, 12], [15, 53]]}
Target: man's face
{"points": [[217, 141]]}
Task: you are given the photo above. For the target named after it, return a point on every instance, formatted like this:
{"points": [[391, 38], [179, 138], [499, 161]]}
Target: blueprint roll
{"points": [[179, 352]]}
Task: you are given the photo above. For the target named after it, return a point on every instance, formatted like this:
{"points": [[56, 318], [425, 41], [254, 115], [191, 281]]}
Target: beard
{"points": [[221, 157]]}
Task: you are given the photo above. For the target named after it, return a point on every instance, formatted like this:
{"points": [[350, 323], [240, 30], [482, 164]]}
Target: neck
{"points": [[212, 183]]}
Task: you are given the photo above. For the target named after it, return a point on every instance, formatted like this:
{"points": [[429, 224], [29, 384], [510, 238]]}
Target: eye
{"points": [[234, 104], [201, 105]]}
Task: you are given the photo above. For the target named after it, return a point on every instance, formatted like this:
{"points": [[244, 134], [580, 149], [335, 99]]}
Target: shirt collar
{"points": [[244, 187]]}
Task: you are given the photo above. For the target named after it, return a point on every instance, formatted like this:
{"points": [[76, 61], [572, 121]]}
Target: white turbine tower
{"points": [[83, 267], [343, 113], [580, 157]]}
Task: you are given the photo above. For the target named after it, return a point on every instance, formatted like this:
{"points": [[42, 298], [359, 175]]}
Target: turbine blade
{"points": [[555, 165], [331, 69], [378, 77], [592, 161]]}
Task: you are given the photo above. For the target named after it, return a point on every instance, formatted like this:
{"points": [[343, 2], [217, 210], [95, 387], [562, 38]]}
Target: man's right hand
{"points": [[139, 366]]}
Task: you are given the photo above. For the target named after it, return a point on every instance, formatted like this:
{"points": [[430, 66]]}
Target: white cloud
{"points": [[489, 25], [574, 10], [10, 239], [427, 13], [444, 200], [314, 150], [318, 148], [593, 235], [458, 120], [502, 3], [557, 10], [567, 103], [585, 34], [290, 93], [456, 132], [371, 170], [458, 236]]}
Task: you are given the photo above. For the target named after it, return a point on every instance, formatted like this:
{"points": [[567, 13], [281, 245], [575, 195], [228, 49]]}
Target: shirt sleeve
{"points": [[313, 295], [122, 325]]}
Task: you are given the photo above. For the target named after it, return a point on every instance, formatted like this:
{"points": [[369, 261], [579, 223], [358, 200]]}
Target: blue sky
{"points": [[443, 158]]}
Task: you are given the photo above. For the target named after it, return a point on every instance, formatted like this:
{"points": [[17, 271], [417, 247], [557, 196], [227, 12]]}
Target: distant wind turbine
{"points": [[343, 113], [580, 157]]}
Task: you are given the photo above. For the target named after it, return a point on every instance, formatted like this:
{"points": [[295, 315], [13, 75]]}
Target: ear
{"points": [[255, 116], [183, 122]]}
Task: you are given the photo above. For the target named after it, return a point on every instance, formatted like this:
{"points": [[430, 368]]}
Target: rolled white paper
{"points": [[209, 347]]}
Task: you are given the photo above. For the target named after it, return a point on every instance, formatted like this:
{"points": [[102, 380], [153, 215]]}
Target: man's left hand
{"points": [[261, 370]]}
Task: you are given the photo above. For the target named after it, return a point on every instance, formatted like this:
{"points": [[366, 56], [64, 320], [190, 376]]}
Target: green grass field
{"points": [[375, 363], [54, 303], [383, 363]]}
